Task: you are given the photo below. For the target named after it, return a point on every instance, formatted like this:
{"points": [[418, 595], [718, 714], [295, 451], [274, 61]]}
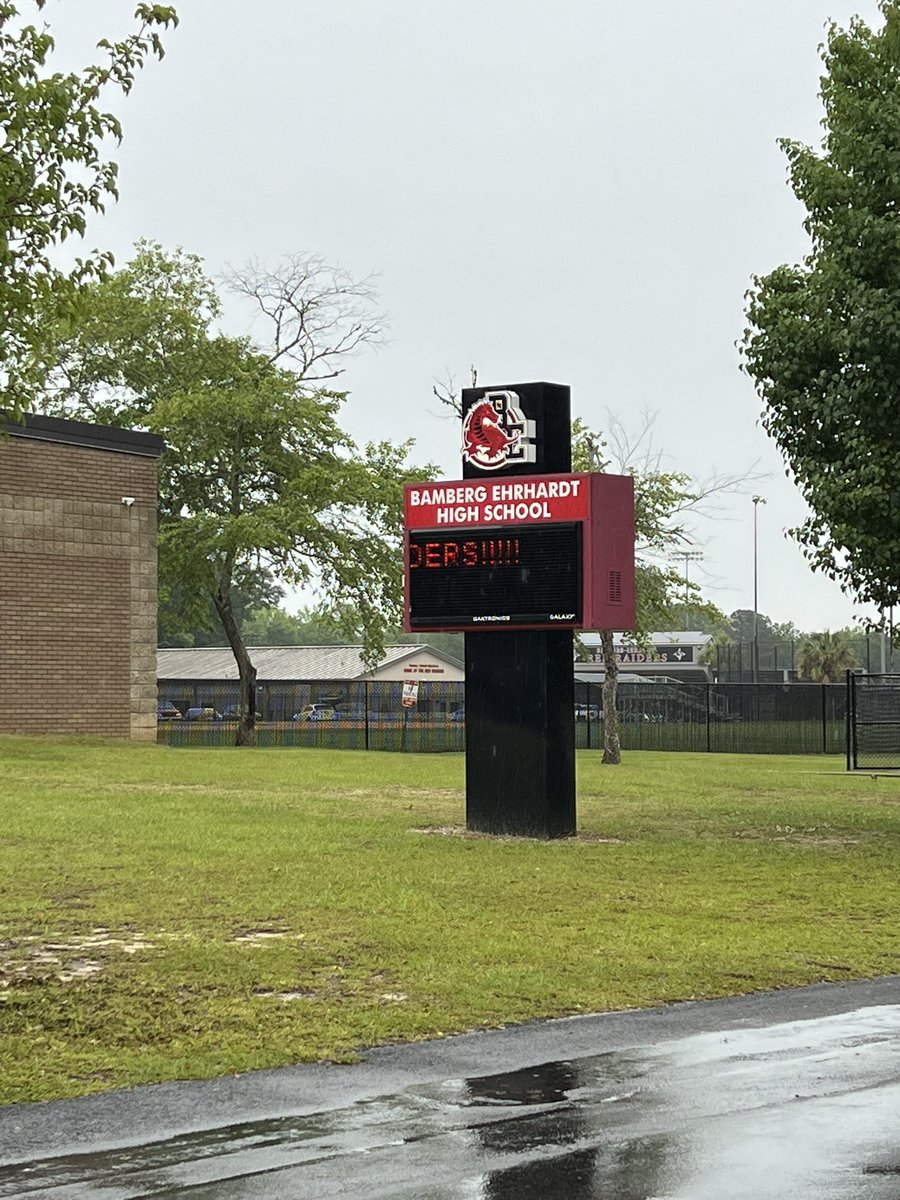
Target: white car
{"points": [[315, 712]]}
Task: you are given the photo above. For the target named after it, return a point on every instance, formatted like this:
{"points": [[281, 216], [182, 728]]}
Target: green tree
{"points": [[275, 627], [257, 472], [664, 502], [257, 465], [702, 618], [316, 627], [744, 623], [710, 655], [141, 333], [448, 643], [53, 174], [823, 337], [826, 657], [255, 592]]}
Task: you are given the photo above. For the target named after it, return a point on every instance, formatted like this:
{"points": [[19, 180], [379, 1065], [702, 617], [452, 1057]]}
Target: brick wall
{"points": [[77, 590]]}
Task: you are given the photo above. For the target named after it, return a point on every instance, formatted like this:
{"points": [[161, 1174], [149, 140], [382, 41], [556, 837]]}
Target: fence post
{"points": [[824, 720], [851, 698], [367, 713], [708, 732]]}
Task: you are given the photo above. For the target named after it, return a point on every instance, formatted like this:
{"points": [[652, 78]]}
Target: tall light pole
{"points": [[689, 556], [757, 501]]}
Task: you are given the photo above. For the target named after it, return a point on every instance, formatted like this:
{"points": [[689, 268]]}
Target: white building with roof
{"points": [[290, 678], [289, 663]]}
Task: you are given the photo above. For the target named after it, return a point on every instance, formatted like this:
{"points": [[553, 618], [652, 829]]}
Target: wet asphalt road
{"points": [[786, 1094]]}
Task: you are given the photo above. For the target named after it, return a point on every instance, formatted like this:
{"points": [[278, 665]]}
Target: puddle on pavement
{"points": [[639, 1170], [701, 1112], [509, 1113], [549, 1083]]}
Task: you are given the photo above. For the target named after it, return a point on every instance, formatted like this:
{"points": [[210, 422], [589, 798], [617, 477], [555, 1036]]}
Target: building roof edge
{"points": [[82, 433]]}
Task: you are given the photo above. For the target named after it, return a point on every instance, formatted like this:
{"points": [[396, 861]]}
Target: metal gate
{"points": [[873, 722]]}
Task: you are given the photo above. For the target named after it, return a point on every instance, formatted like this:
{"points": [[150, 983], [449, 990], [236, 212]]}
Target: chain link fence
{"points": [[340, 716], [741, 718], [770, 662], [721, 718], [874, 723]]}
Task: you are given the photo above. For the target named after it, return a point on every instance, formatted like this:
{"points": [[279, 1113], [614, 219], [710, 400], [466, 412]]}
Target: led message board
{"points": [[529, 575], [540, 552]]}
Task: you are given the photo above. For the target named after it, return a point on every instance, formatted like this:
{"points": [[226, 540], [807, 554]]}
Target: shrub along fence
{"points": [[744, 718]]}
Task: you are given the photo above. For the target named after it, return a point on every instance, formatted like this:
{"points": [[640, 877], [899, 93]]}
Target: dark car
{"points": [[587, 712], [166, 711]]}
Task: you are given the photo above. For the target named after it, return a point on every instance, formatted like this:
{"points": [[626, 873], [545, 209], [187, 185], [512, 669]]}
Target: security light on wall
{"points": [[128, 501]]}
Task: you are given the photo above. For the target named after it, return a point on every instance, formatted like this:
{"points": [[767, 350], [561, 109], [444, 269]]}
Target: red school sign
{"points": [[527, 552], [519, 500]]}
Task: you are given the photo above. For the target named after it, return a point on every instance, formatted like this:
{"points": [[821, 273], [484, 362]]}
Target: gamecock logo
{"points": [[496, 432]]}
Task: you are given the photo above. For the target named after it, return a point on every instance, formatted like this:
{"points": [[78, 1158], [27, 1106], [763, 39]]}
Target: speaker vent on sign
{"points": [[615, 587]]}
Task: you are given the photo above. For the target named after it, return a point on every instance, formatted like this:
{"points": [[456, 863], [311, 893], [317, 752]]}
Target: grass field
{"points": [[186, 913]]}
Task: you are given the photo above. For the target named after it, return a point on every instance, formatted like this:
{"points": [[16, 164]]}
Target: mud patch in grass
{"points": [[68, 960]]}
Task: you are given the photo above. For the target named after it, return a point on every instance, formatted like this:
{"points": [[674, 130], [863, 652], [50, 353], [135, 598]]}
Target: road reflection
{"points": [[805, 1109]]}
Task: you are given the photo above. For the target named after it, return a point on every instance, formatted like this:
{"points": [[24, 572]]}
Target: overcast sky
{"points": [[576, 191]]}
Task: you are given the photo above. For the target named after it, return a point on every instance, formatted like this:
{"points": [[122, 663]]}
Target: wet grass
{"points": [[170, 914]]}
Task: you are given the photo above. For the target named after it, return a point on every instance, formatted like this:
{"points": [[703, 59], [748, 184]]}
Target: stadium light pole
{"points": [[757, 501], [689, 556]]}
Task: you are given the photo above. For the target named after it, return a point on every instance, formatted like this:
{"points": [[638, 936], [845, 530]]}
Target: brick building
{"points": [[77, 579]]}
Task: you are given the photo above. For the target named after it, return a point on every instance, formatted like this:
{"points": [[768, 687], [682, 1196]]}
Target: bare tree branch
{"points": [[318, 313], [448, 393], [634, 453]]}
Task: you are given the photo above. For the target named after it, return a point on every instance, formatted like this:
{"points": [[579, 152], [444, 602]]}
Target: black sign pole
{"points": [[520, 691]]}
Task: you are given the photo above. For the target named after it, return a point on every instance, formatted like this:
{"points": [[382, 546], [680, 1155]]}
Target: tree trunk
{"points": [[612, 741], [246, 734]]}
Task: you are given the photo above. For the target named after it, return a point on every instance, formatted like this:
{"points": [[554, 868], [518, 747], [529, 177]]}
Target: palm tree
{"points": [[824, 657]]}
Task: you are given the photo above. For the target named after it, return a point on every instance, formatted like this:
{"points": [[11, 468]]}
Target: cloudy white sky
{"points": [[577, 191]]}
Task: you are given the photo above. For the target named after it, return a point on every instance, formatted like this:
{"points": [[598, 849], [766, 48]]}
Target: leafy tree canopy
{"points": [[743, 624], [823, 336], [275, 627], [258, 476], [664, 501], [53, 174], [255, 593]]}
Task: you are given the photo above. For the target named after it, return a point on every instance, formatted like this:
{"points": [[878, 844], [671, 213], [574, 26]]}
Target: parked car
{"points": [[458, 714], [587, 712], [315, 712], [202, 712], [166, 711]]}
